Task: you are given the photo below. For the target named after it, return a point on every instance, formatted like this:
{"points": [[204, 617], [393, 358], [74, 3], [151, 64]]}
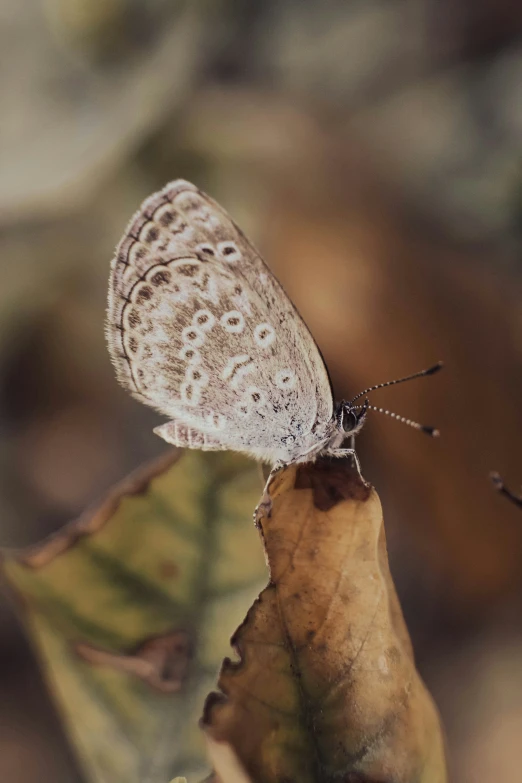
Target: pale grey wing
{"points": [[199, 328]]}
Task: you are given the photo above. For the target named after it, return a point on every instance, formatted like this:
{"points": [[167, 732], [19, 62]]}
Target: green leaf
{"points": [[131, 609]]}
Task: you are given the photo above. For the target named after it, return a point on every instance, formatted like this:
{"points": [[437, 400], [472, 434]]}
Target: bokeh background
{"points": [[373, 151]]}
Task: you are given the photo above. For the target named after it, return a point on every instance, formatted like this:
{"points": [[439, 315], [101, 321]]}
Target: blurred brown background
{"points": [[373, 151]]}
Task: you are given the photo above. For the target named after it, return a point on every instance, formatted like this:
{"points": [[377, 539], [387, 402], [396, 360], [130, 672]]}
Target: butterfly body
{"points": [[200, 329]]}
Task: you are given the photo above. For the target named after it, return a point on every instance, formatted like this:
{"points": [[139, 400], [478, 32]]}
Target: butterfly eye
{"points": [[349, 420]]}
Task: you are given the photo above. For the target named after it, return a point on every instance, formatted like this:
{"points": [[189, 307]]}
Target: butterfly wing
{"points": [[199, 328]]}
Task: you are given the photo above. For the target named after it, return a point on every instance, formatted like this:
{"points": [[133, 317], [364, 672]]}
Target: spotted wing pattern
{"points": [[199, 329]]}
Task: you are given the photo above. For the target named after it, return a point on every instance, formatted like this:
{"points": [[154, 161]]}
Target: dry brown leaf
{"points": [[326, 687]]}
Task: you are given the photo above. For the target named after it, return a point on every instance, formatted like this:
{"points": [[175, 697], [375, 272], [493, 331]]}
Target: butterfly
{"points": [[199, 329]]}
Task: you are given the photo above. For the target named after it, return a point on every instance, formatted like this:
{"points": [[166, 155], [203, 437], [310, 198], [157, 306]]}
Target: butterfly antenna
{"points": [[499, 484], [421, 374], [432, 431]]}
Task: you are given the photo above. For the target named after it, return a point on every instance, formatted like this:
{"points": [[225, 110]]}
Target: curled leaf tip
{"points": [[331, 480], [325, 687]]}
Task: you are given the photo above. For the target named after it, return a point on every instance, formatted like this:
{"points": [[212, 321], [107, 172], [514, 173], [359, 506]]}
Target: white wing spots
{"points": [[190, 393], [209, 289], [240, 373], [206, 250], [254, 398], [237, 366], [264, 335], [187, 293], [204, 320], [197, 376], [193, 336], [233, 322], [229, 251], [285, 379], [243, 410], [240, 299], [214, 421], [190, 354]]}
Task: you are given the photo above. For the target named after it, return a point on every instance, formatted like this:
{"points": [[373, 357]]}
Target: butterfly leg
{"points": [[186, 437], [264, 507]]}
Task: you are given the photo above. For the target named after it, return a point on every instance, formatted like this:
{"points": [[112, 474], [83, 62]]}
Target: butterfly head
{"points": [[350, 419]]}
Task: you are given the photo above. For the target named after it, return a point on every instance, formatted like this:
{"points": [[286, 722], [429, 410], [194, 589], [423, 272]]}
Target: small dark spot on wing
{"points": [[134, 319], [144, 294], [188, 270], [162, 277], [152, 234], [167, 218]]}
